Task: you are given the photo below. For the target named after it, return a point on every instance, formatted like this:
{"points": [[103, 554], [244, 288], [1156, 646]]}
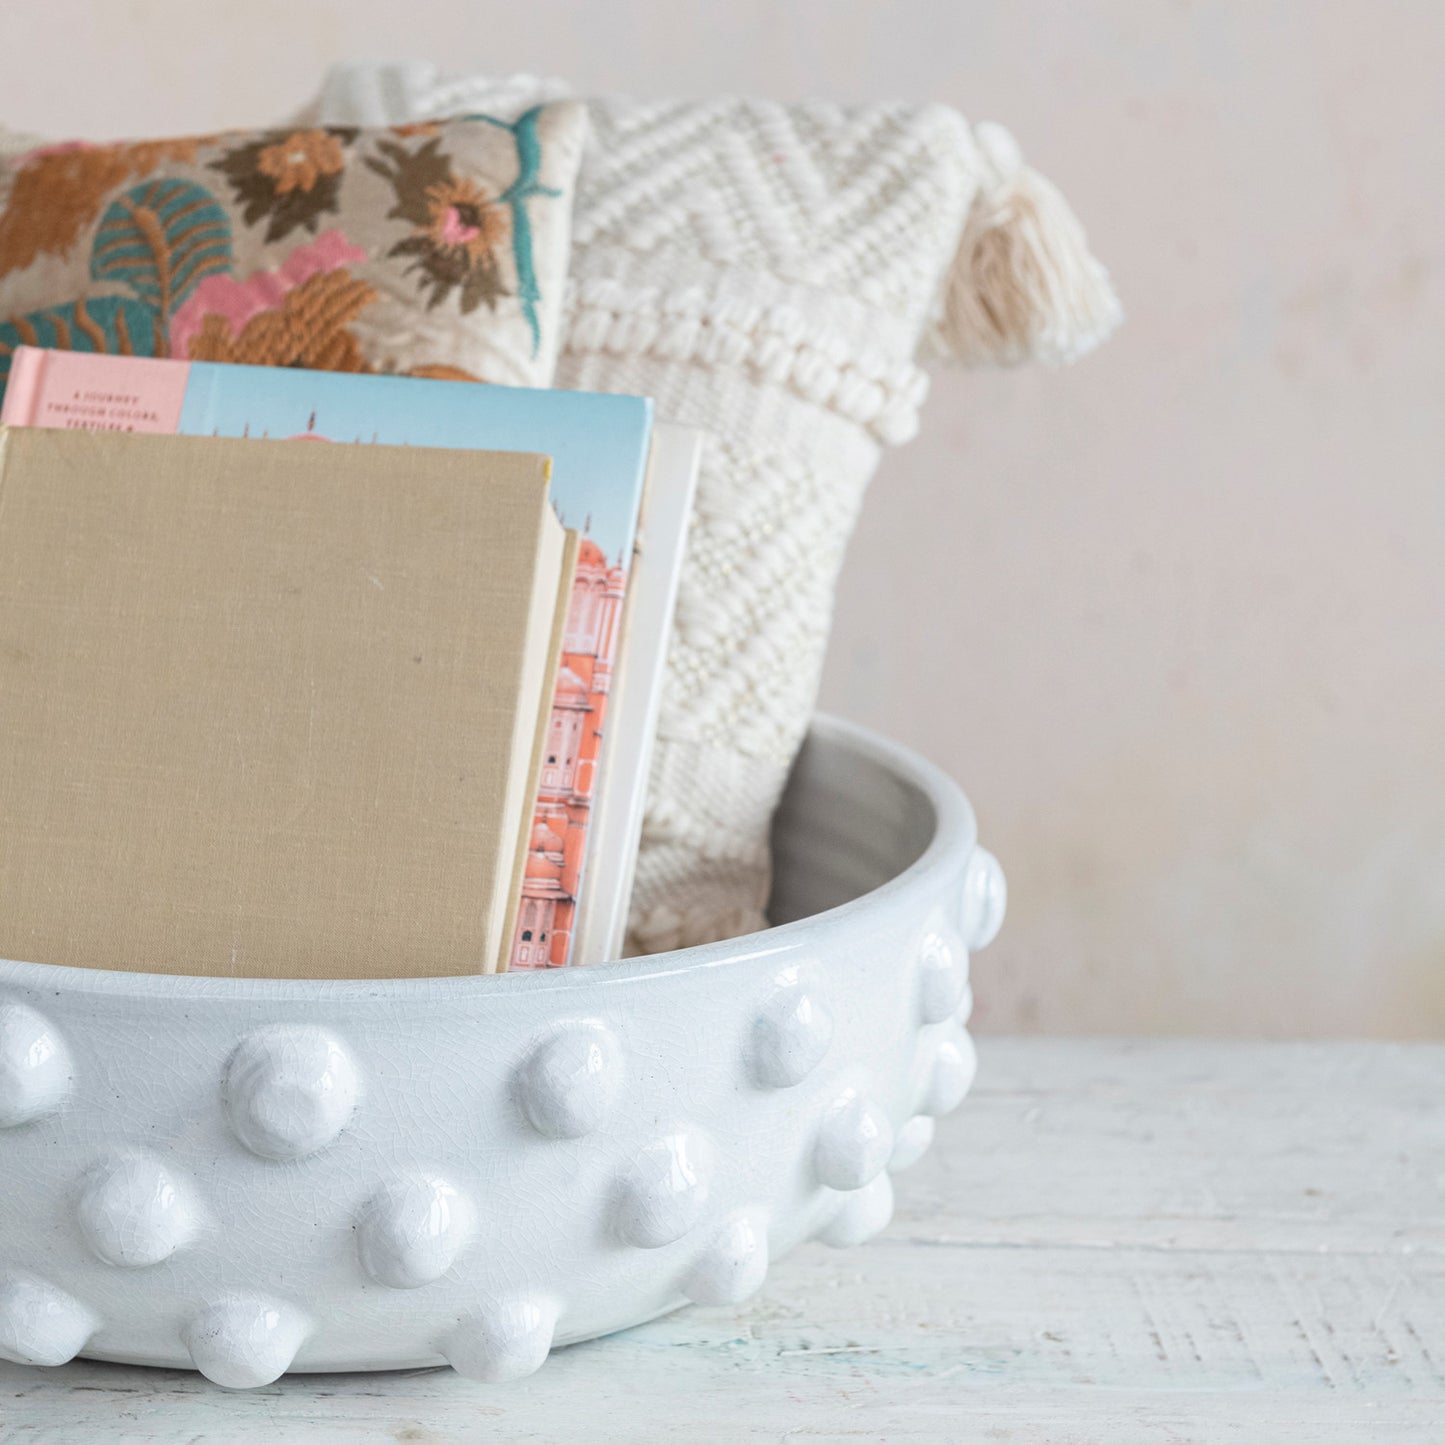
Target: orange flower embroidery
{"points": [[59, 190], [308, 329], [465, 216], [289, 179], [299, 161]]}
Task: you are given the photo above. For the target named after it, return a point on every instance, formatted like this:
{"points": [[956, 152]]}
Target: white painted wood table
{"points": [[1110, 1242]]}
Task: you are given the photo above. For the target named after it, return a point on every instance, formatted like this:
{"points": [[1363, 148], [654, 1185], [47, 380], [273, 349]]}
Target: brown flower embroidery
{"points": [[291, 177], [308, 329], [458, 228]]}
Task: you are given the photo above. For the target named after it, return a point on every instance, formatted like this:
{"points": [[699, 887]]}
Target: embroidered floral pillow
{"points": [[434, 249]]}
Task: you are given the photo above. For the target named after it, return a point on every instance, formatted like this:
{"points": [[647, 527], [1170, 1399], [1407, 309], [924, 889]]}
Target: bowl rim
{"points": [[954, 836]]}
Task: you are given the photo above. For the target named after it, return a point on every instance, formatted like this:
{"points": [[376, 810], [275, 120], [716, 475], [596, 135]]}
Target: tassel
{"points": [[1024, 285]]}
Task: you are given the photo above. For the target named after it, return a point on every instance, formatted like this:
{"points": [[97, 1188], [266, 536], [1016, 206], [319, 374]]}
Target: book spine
{"points": [[22, 391]]}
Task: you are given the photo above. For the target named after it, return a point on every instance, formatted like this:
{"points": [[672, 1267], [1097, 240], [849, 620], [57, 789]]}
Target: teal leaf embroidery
{"points": [[161, 240], [118, 325], [522, 190]]}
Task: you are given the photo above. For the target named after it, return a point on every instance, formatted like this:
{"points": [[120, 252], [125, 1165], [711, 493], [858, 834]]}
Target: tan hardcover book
{"points": [[267, 709]]}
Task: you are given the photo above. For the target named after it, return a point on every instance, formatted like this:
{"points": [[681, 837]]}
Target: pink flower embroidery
{"points": [[60, 148], [454, 231], [238, 301]]}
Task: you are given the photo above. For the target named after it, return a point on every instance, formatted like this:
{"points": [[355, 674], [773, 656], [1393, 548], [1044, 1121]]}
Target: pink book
{"points": [[78, 391]]}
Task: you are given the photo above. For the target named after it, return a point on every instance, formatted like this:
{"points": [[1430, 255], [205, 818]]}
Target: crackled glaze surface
{"points": [[249, 1177]]}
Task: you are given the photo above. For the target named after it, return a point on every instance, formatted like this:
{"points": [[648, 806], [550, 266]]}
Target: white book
{"points": [[631, 722]]}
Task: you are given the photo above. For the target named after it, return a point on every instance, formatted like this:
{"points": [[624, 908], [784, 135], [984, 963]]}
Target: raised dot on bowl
{"points": [[571, 1080], [734, 1264], [289, 1090], [664, 1190], [854, 1142], [985, 899], [792, 1032], [134, 1212], [942, 977], [508, 1340], [242, 1341], [35, 1067], [965, 1006], [954, 1067], [913, 1142], [411, 1230], [863, 1215], [40, 1324]]}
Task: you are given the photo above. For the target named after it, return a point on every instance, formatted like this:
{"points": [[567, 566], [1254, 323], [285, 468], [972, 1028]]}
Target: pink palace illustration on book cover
{"points": [[557, 847]]}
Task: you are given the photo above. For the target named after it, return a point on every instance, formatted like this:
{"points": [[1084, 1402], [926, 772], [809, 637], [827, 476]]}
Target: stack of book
{"points": [[274, 709]]}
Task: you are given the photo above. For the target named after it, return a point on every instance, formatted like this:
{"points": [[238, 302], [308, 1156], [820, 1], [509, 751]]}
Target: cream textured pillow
{"points": [[434, 249], [769, 273]]}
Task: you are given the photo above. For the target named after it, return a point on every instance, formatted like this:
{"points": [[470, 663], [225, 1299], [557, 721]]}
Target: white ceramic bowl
{"points": [[248, 1177]]}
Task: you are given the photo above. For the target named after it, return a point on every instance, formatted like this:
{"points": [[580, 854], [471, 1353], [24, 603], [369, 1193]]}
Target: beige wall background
{"points": [[1175, 617]]}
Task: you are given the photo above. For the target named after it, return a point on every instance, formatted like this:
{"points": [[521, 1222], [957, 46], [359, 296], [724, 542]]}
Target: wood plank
{"points": [[1111, 1243]]}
